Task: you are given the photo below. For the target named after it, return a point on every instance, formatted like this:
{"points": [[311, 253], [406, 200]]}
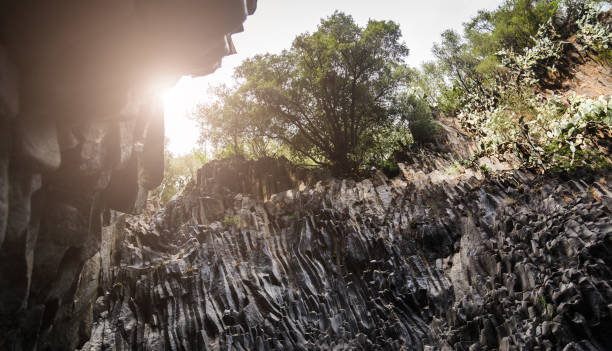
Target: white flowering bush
{"points": [[546, 132], [591, 32], [565, 137], [515, 86], [581, 136], [553, 135], [544, 53]]}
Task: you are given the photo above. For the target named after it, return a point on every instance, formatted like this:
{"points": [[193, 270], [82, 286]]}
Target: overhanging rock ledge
{"points": [[81, 133]]}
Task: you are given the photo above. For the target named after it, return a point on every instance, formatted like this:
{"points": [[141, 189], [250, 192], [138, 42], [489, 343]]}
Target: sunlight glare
{"points": [[180, 101]]}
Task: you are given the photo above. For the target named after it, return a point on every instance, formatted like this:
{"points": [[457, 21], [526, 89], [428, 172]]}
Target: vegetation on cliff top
{"points": [[343, 98], [332, 98], [521, 109]]}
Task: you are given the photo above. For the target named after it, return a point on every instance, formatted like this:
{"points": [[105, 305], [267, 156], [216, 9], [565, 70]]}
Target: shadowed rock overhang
{"points": [[81, 133]]}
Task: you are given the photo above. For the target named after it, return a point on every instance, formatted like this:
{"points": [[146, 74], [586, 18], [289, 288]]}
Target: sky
{"points": [[277, 22]]}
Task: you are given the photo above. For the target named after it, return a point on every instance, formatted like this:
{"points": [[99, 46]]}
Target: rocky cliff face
{"points": [[257, 255], [419, 262], [81, 134]]}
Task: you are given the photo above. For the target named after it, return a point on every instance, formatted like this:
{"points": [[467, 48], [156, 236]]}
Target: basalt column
{"points": [[81, 133]]}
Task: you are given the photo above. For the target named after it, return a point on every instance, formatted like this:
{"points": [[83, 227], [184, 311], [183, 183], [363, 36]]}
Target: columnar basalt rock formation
{"points": [[418, 262], [81, 134], [260, 255]]}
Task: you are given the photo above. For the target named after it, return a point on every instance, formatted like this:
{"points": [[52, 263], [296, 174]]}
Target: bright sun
{"points": [[180, 101]]}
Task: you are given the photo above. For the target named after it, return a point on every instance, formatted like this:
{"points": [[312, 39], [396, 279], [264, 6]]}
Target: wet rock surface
{"points": [[516, 262]]}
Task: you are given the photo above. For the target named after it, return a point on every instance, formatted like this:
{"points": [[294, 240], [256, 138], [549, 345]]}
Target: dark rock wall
{"points": [[519, 262], [81, 134], [239, 261]]}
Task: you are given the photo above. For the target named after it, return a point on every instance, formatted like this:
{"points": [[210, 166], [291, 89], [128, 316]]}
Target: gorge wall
{"points": [[81, 134], [259, 255], [418, 262]]}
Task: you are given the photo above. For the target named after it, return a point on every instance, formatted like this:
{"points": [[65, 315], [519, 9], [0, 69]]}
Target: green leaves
{"points": [[327, 98], [512, 26], [591, 32], [506, 113], [418, 115], [555, 136]]}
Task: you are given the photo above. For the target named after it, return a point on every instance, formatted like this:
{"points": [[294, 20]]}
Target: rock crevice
{"points": [[517, 262]]}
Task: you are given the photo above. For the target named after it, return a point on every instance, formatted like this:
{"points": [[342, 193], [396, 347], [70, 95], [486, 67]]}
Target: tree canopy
{"points": [[328, 98], [512, 26], [342, 97]]}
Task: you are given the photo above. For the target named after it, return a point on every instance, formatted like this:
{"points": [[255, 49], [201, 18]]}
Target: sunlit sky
{"points": [[276, 23]]}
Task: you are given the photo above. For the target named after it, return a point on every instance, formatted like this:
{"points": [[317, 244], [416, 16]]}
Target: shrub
{"points": [[420, 121], [543, 131]]}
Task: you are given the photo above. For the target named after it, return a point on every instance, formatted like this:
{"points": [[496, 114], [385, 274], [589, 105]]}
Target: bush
{"points": [[420, 121], [543, 131], [389, 168], [592, 33]]}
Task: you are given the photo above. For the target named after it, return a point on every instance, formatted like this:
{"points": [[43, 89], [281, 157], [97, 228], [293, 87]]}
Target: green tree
{"points": [[454, 56], [416, 111], [329, 96], [471, 61], [225, 124], [429, 81], [226, 127], [513, 26]]}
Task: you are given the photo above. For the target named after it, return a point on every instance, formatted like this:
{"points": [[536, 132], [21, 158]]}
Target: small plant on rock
{"points": [[231, 221]]}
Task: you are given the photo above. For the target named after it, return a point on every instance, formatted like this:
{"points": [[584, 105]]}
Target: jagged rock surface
{"points": [[519, 262], [81, 134]]}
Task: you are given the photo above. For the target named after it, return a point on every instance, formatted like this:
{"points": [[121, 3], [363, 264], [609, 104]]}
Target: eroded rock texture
{"points": [[518, 262], [81, 134]]}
